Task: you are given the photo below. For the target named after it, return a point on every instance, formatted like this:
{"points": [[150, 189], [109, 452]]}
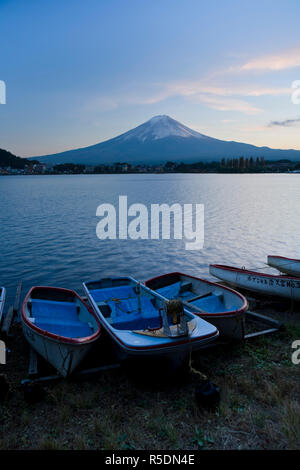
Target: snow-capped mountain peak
{"points": [[160, 127], [163, 139]]}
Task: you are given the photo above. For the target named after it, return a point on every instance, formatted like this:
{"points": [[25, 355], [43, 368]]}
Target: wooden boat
{"points": [[285, 265], [139, 322], [2, 301], [270, 284], [221, 306], [59, 325]]}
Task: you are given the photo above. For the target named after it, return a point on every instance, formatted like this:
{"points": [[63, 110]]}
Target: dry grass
{"points": [[259, 408]]}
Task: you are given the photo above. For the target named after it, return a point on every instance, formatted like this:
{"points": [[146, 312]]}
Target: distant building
{"points": [[89, 169], [121, 167], [39, 168]]}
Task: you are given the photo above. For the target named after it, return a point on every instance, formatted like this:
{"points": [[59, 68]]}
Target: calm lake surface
{"points": [[48, 225]]}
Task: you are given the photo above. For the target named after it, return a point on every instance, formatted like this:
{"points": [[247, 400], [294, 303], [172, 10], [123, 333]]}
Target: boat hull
{"points": [[175, 354], [64, 357], [272, 285], [230, 322], [285, 265]]}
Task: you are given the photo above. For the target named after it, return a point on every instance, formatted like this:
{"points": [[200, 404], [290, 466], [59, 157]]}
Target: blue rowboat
{"points": [[221, 306], [60, 326], [139, 322]]}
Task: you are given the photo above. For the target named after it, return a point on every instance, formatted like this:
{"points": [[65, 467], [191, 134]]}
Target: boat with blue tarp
{"points": [[141, 323]]}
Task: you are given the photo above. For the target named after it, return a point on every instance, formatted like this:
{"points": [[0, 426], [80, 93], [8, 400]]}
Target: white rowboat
{"points": [[285, 265], [270, 284]]}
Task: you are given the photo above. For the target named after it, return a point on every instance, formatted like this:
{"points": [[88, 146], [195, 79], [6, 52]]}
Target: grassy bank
{"points": [[259, 407]]}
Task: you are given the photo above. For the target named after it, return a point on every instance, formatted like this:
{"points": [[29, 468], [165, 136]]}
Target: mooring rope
{"points": [[191, 368]]}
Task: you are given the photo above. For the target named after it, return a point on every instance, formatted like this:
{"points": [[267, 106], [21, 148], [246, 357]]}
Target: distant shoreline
{"points": [[159, 173], [225, 166]]}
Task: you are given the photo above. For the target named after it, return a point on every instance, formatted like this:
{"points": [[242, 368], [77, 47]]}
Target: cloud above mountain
{"points": [[215, 90], [285, 123], [219, 97], [274, 62]]}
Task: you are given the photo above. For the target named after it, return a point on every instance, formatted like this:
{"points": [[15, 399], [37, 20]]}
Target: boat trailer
{"points": [[259, 319]]}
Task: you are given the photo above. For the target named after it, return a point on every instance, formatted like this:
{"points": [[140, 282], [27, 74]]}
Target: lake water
{"points": [[48, 225]]}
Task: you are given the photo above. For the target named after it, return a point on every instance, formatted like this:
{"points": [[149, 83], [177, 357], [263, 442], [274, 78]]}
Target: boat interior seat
{"points": [[53, 309], [66, 329], [211, 303], [185, 286], [122, 310], [219, 294], [139, 323], [126, 316], [171, 291], [60, 318], [121, 292]]}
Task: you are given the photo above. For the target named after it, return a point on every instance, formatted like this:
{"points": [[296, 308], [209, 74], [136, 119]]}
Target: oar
{"points": [[188, 302], [199, 297]]}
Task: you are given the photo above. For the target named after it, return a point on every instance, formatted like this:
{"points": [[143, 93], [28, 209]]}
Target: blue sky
{"points": [[80, 72]]}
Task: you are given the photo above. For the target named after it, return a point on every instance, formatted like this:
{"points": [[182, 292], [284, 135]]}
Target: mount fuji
{"points": [[161, 139]]}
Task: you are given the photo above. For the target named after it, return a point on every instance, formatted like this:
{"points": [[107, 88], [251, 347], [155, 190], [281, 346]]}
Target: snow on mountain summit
{"points": [[160, 127], [163, 139]]}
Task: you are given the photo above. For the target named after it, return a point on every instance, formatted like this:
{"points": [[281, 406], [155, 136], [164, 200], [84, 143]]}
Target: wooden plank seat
{"points": [[185, 286]]}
